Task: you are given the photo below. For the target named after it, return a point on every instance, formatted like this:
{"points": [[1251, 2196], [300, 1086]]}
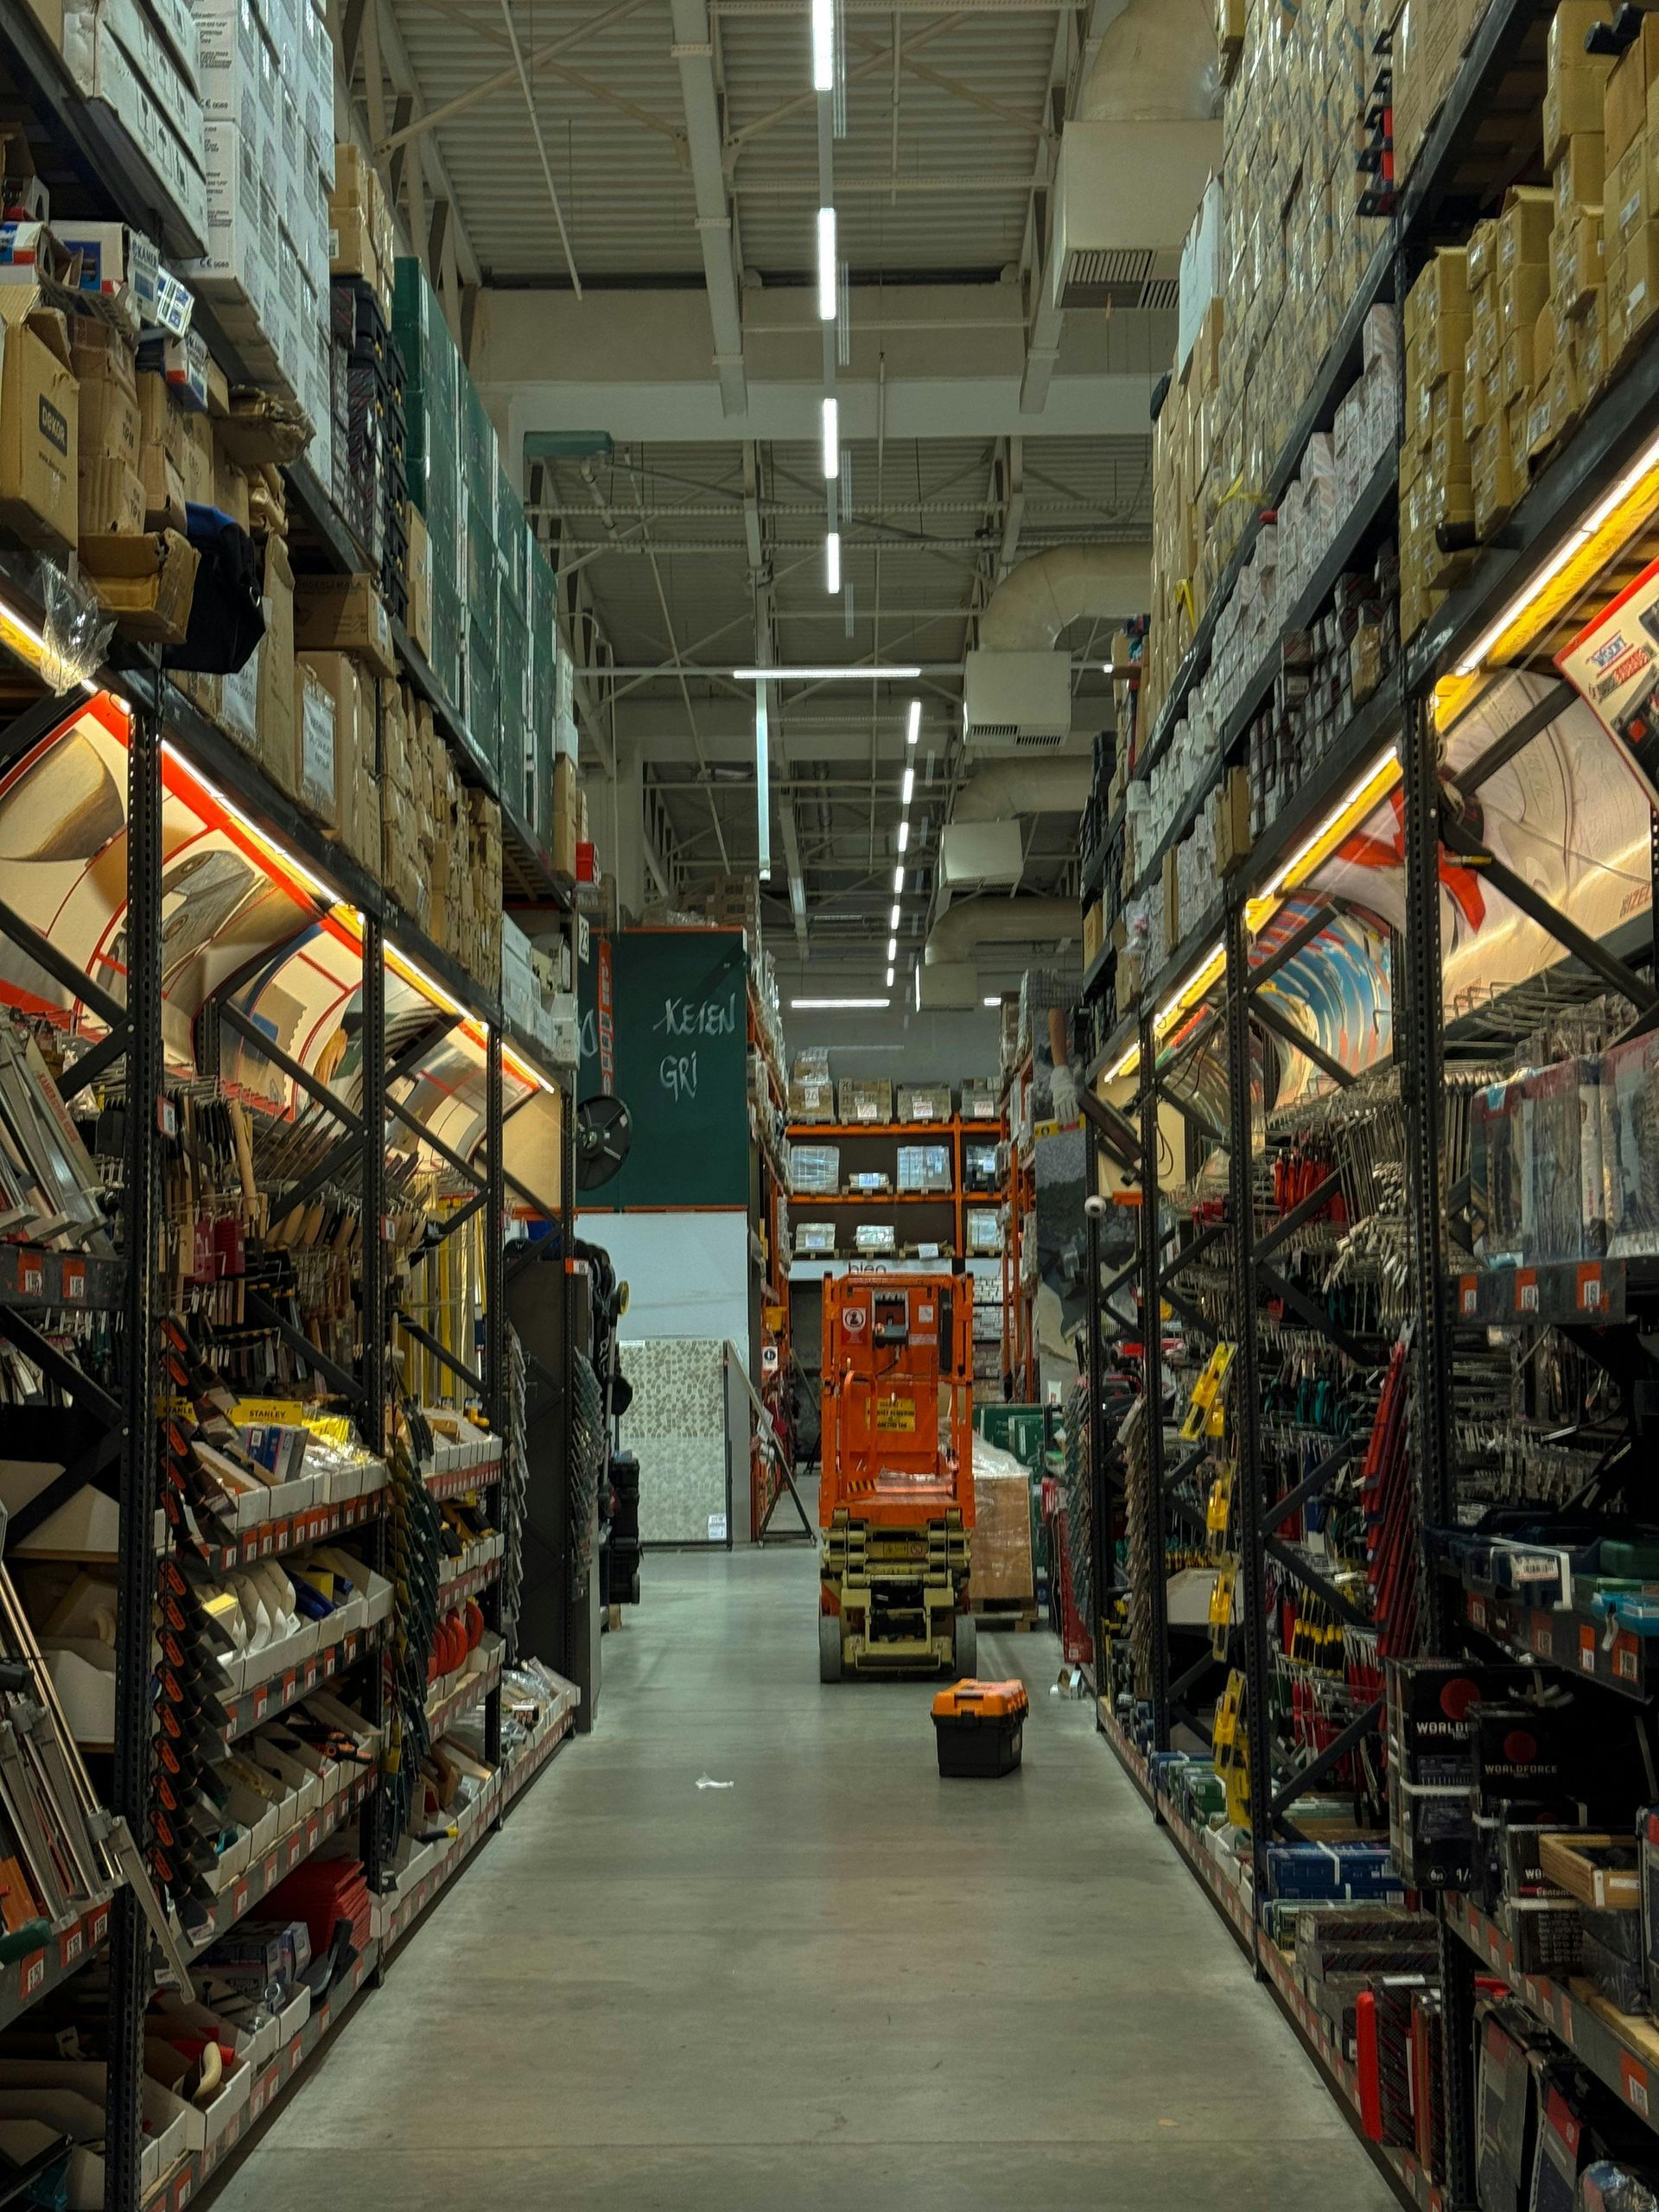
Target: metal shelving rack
{"points": [[1453, 181], [162, 722]]}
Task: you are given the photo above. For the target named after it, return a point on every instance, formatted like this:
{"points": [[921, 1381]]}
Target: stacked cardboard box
{"points": [[1430, 37], [138, 64], [1435, 487], [362, 242], [434, 375], [410, 753], [1630, 217], [267, 74]]}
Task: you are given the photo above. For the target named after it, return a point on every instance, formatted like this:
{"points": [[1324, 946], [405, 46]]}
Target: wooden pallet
{"points": [[1008, 1616]]}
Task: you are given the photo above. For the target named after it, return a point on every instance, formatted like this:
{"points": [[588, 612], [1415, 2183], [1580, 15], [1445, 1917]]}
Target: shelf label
{"points": [[72, 1945], [1542, 1639], [74, 1282], [1469, 1297], [261, 1701], [293, 1842], [272, 1872], [31, 1976], [181, 2193], [31, 1274], [323, 2018], [1635, 2079], [1592, 1290], [296, 2053], [310, 1674], [1477, 1612], [1566, 2017], [97, 1927], [313, 1831], [240, 1899], [1586, 1648], [1526, 1290], [290, 1684]]}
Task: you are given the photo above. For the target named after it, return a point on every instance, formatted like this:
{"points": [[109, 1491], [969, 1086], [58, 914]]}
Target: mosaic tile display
{"points": [[677, 1427]]}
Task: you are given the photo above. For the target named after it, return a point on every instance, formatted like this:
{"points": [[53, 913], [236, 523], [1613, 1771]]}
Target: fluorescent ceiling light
{"points": [[915, 729], [904, 835], [839, 1006], [832, 563], [889, 979], [827, 303], [763, 779], [993, 1001], [892, 918], [892, 950], [1349, 799], [831, 439], [899, 881], [1533, 589], [823, 46], [909, 785], [898, 673]]}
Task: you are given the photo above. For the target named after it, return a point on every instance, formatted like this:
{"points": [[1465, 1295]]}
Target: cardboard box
{"points": [[564, 816], [230, 485], [1625, 107], [276, 707], [39, 417], [344, 614], [147, 581]]}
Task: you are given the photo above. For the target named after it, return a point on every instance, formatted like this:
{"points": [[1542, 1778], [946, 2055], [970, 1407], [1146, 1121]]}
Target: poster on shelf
{"points": [[1613, 664]]}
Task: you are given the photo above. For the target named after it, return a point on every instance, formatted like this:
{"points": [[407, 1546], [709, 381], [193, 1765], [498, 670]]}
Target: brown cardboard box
{"points": [[1581, 263], [326, 788], [1576, 88], [110, 498], [1579, 175], [1640, 261], [146, 582], [277, 727], [344, 614], [230, 486], [38, 415], [196, 439], [1233, 826], [316, 745], [1628, 201], [1172, 902], [1625, 109], [107, 378], [564, 816], [1523, 227]]}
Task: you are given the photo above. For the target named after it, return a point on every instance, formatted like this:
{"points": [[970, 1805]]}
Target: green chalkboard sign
{"points": [[674, 1050]]}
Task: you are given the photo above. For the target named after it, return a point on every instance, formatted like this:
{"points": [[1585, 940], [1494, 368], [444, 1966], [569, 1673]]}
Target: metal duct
{"points": [[1028, 610], [1000, 921], [1158, 63], [1005, 789]]}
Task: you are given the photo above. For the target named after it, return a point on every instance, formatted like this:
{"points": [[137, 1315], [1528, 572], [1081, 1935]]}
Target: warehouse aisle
{"points": [[838, 1982]]}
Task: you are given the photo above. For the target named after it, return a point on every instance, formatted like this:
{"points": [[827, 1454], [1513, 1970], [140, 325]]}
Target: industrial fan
{"points": [[604, 1134]]}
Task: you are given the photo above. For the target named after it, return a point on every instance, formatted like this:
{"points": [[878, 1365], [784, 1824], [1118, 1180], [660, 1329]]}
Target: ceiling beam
{"points": [[694, 49], [504, 80], [367, 30]]}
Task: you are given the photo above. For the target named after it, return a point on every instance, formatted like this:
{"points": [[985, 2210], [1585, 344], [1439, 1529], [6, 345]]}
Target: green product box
{"points": [[513, 544], [513, 666], [449, 627], [483, 697]]}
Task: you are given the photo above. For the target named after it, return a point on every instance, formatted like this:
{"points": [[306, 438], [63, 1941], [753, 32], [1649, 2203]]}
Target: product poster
{"points": [[1614, 664]]}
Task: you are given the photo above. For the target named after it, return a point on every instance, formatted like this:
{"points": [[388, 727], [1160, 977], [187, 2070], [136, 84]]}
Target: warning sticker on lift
{"points": [[896, 1416]]}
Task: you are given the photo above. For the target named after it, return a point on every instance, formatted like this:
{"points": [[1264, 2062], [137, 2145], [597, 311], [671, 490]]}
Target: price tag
{"points": [[1526, 1291], [295, 1843], [1592, 1290], [1586, 1649], [272, 1872], [1542, 1639], [313, 1833], [1566, 2017], [181, 2193], [97, 1927], [31, 1977], [250, 1545], [1635, 2079], [290, 1684], [261, 1702], [240, 1899], [1626, 1663], [323, 2018], [74, 1282], [72, 1946], [310, 1674], [167, 1117], [1531, 1988], [296, 2053], [31, 1274], [1469, 1297]]}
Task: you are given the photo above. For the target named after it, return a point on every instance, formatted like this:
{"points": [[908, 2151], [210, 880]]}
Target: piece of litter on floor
{"points": [[1053, 1689], [708, 1782]]}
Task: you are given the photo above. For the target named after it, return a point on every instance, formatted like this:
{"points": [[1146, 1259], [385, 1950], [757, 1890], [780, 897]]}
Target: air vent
{"points": [[1162, 295], [1037, 740]]}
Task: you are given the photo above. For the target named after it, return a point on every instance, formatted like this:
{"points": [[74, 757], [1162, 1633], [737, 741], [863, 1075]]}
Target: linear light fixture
{"points": [[763, 778], [1127, 1066], [896, 674], [899, 881], [889, 979], [915, 728], [993, 1001], [909, 785], [526, 1071], [832, 563], [1532, 591], [904, 834], [831, 439], [892, 918], [263, 838], [892, 951], [1198, 983], [823, 46], [828, 305], [839, 1006]]}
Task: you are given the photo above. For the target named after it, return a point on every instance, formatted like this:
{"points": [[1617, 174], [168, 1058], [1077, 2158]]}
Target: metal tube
{"points": [[1153, 1359]]}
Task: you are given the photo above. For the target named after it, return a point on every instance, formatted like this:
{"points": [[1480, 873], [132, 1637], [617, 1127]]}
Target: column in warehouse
{"points": [[1381, 1089], [282, 1085]]}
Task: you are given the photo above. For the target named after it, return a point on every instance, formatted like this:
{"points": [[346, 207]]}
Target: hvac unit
{"points": [[977, 855], [1017, 703], [1125, 194]]}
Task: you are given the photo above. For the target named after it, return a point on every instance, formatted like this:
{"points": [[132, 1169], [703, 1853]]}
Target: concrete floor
{"points": [[841, 1982]]}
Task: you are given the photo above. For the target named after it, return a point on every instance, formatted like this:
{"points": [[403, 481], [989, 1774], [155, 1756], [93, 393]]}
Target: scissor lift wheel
{"points": [[829, 1648]]}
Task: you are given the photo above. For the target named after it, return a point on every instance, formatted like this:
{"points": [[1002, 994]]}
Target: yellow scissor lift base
{"points": [[917, 1575]]}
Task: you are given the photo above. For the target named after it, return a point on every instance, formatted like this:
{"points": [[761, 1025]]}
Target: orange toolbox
{"points": [[980, 1727]]}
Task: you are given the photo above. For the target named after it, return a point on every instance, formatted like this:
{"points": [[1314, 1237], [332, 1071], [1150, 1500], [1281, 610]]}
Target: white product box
{"points": [[163, 145]]}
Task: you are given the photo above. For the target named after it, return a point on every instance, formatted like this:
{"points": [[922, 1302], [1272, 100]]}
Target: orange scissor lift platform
{"points": [[896, 1503]]}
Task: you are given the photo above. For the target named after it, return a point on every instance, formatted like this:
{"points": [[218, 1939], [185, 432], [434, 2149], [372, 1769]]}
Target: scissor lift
{"points": [[896, 1503]]}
